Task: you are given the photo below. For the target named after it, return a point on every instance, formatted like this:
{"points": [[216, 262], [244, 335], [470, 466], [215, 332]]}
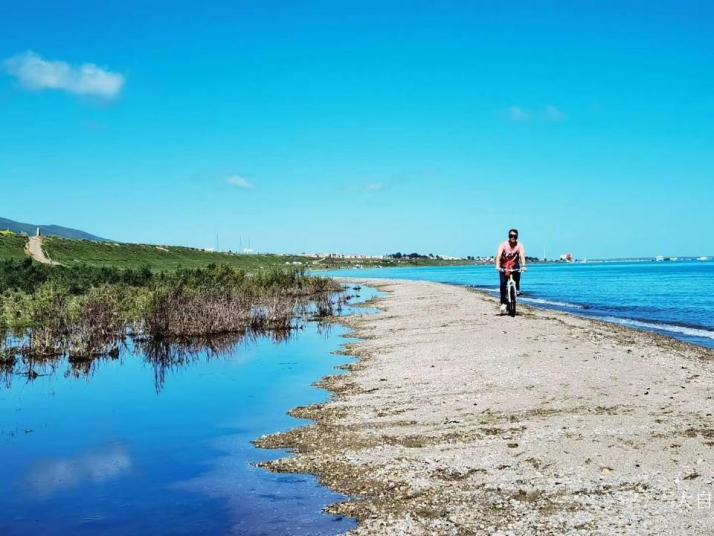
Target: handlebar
{"points": [[513, 270]]}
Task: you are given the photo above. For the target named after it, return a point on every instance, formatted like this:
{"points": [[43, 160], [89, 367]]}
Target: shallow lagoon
{"points": [[137, 447]]}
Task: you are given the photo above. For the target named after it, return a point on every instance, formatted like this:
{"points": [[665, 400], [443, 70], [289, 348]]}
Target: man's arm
{"points": [[523, 257], [498, 256]]}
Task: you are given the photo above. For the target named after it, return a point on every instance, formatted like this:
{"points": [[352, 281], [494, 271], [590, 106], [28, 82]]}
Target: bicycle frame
{"points": [[511, 290]]}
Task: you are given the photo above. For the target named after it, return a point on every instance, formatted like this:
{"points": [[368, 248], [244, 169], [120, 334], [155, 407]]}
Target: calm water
{"points": [[131, 447], [672, 298]]}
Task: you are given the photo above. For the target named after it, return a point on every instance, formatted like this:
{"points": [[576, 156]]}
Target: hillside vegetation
{"points": [[111, 254], [162, 258], [12, 246]]}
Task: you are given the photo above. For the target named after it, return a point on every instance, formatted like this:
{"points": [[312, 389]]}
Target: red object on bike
{"points": [[510, 266], [510, 257]]}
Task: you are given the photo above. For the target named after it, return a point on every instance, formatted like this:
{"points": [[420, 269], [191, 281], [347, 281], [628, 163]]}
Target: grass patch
{"points": [[116, 255], [12, 246]]}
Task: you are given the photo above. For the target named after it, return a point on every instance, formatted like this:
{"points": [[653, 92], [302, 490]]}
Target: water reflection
{"points": [[164, 354], [48, 477], [260, 502], [180, 462]]}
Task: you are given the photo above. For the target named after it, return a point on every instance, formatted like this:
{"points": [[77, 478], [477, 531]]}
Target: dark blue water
{"points": [[133, 446], [670, 298]]}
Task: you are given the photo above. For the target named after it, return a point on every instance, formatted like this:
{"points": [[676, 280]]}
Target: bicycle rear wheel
{"points": [[512, 300]]}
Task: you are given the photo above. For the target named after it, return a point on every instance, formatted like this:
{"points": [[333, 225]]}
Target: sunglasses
{"points": [[512, 236]]}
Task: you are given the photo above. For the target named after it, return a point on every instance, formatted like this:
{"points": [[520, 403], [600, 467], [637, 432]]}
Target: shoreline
{"points": [[696, 333], [455, 420]]}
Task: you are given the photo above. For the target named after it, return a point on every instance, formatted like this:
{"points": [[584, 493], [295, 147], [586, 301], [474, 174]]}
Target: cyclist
{"points": [[511, 256]]}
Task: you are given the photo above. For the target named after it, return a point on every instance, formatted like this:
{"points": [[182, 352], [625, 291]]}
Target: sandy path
{"points": [[458, 421], [34, 249]]}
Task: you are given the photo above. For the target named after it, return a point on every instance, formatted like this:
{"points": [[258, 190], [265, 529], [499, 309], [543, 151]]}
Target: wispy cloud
{"points": [[375, 187], [516, 113], [546, 113], [36, 73], [553, 114], [239, 182]]}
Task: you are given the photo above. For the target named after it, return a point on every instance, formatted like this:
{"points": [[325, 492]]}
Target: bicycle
{"points": [[511, 291]]}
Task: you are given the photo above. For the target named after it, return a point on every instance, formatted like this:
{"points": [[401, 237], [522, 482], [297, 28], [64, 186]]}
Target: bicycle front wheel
{"points": [[512, 300]]}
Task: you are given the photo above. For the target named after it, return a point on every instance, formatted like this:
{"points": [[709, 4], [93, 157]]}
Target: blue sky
{"points": [[363, 126]]}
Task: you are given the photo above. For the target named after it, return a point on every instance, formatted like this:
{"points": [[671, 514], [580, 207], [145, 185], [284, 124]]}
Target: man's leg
{"points": [[502, 275]]}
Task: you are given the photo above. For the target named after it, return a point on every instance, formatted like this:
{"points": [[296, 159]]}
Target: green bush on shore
{"points": [[87, 311]]}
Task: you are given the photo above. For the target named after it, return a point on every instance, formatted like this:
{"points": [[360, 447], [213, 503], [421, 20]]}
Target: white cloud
{"points": [[36, 73], [374, 187], [516, 113], [546, 113], [239, 182], [553, 114]]}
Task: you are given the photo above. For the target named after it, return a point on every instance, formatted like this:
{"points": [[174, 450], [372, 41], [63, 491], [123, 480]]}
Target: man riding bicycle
{"points": [[510, 258]]}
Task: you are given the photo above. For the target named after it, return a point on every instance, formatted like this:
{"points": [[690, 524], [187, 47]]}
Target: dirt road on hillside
{"points": [[33, 248]]}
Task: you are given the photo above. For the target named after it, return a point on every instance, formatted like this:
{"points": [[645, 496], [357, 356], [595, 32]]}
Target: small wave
{"points": [[672, 328], [534, 301], [492, 290], [540, 301]]}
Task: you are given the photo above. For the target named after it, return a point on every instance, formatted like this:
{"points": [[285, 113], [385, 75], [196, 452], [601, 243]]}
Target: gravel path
{"points": [[456, 420], [34, 249]]}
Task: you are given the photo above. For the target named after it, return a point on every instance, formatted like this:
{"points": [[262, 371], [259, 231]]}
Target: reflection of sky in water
{"points": [[110, 454], [276, 503], [47, 477]]}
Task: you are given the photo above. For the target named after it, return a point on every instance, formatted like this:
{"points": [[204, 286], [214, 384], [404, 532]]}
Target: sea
{"points": [[673, 298]]}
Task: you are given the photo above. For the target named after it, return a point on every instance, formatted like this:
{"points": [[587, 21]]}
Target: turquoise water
{"points": [[161, 443], [670, 298]]}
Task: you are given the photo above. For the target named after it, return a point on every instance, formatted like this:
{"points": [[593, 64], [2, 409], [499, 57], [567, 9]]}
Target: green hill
{"points": [[12, 246], [75, 252], [119, 255], [70, 252]]}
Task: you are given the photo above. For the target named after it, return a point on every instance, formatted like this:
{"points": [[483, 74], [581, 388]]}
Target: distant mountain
{"points": [[47, 230]]}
